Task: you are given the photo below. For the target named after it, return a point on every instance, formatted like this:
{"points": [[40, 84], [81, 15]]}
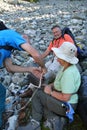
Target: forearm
{"points": [[43, 55], [15, 68], [39, 60], [60, 96], [46, 53], [34, 53], [19, 69]]}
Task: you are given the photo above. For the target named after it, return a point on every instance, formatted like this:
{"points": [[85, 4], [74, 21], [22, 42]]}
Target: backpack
{"points": [[67, 30], [81, 51]]}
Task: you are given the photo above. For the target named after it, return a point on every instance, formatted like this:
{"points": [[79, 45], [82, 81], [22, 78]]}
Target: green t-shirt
{"points": [[68, 82]]}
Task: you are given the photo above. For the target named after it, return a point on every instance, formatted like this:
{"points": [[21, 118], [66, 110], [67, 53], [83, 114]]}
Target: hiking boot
{"points": [[27, 93], [33, 125]]}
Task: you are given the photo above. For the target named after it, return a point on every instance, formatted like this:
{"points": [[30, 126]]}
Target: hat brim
{"points": [[64, 57]]}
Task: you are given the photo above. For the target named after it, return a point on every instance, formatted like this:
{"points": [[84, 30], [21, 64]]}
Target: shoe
{"points": [[27, 93], [33, 125]]}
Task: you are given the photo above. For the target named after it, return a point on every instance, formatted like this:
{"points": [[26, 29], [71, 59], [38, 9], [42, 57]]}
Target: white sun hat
{"points": [[67, 51]]}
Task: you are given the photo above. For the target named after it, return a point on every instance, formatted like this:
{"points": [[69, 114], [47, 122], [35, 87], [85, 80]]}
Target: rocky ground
{"points": [[36, 20]]}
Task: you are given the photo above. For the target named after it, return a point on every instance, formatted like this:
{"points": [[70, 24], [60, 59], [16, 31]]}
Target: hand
{"points": [[36, 71], [44, 70], [48, 89]]}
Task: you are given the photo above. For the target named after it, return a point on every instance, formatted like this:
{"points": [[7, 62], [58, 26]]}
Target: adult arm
{"points": [[58, 95], [61, 96], [34, 53], [46, 53], [10, 67]]}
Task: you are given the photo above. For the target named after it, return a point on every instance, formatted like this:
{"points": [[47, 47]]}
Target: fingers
{"points": [[44, 70]]}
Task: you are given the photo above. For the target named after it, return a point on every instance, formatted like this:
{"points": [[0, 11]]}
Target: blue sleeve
{"points": [[16, 40]]}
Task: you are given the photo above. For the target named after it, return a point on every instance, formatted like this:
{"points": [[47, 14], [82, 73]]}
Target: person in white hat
{"points": [[64, 88], [66, 52]]}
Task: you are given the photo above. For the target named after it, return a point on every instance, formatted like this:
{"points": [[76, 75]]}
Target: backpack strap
{"points": [[53, 40], [10, 48]]}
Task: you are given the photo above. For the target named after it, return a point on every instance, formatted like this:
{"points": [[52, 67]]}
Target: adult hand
{"points": [[48, 89], [44, 70], [36, 71]]}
